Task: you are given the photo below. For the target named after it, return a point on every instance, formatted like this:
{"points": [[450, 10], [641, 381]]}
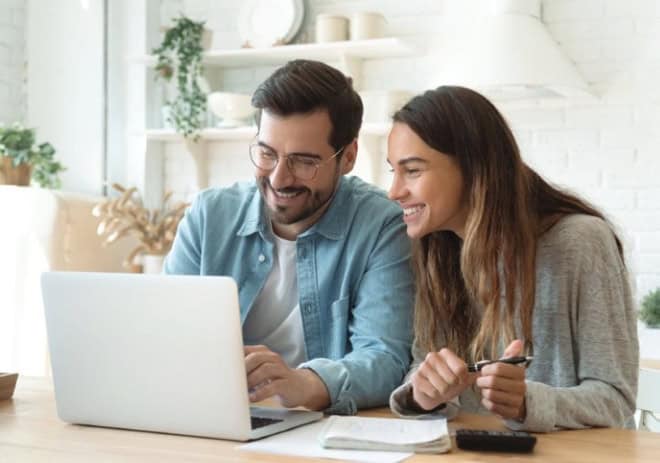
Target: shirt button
{"points": [[262, 258], [303, 253]]}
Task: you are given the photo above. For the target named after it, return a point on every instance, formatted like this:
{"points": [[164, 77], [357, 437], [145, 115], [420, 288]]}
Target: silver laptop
{"points": [[155, 353]]}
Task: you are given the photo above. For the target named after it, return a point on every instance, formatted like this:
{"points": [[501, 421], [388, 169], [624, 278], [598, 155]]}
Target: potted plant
{"points": [[650, 309], [180, 56], [22, 160], [154, 228]]}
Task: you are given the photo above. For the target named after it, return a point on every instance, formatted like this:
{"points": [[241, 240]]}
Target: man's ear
{"points": [[348, 157]]}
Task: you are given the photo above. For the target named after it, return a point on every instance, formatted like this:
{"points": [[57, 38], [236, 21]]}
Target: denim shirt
{"points": [[354, 280]]}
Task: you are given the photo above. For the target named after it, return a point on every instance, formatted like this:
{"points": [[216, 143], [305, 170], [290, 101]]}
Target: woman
{"points": [[506, 265]]}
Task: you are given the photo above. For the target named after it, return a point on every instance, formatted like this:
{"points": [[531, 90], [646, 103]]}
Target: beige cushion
{"points": [[42, 230]]}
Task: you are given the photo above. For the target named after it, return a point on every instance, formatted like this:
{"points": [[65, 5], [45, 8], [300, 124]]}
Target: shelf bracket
{"points": [[197, 151], [368, 164], [150, 178]]}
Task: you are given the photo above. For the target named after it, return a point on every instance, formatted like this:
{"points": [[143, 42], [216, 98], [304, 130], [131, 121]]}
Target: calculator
{"points": [[496, 441]]}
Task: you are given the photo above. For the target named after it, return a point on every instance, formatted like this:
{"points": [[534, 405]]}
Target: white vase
{"points": [[331, 28], [152, 263], [367, 25]]}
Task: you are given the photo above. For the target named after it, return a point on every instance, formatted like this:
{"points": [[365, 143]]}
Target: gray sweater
{"points": [[586, 353]]}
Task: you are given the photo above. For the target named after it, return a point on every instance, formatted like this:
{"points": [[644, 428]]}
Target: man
{"points": [[321, 260]]}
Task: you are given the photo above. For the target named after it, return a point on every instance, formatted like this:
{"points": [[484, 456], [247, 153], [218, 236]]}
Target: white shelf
{"points": [[209, 134], [391, 47], [349, 55], [246, 133]]}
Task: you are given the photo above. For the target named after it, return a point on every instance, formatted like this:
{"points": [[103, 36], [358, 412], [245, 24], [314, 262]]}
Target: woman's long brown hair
{"points": [[473, 293]]}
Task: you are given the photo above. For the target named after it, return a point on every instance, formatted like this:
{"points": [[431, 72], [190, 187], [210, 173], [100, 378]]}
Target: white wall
{"points": [[601, 149], [65, 85], [12, 61], [607, 150]]}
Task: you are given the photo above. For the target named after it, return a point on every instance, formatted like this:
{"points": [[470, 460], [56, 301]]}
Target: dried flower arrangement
{"points": [[126, 216]]}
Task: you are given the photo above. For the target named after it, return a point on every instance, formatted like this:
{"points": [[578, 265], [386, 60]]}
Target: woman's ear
{"points": [[348, 157]]}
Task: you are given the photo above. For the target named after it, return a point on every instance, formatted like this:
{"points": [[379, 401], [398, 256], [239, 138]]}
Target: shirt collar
{"points": [[256, 219]]}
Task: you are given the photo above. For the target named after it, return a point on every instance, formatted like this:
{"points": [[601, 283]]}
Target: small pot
{"points": [[7, 385], [331, 28], [367, 25], [152, 263], [14, 175]]}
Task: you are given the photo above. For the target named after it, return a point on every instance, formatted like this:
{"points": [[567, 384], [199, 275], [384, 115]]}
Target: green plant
{"points": [[18, 143], [650, 309], [180, 55]]}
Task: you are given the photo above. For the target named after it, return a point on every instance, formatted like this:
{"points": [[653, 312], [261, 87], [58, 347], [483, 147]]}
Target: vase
{"points": [[152, 263], [7, 385], [14, 175]]}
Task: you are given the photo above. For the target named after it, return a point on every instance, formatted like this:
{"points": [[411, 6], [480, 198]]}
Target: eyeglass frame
{"points": [[317, 162]]}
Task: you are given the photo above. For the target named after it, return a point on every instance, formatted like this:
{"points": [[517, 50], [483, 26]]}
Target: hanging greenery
{"points": [[180, 55]]}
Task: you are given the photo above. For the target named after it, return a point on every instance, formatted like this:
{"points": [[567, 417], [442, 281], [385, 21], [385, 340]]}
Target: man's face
{"points": [[292, 202]]}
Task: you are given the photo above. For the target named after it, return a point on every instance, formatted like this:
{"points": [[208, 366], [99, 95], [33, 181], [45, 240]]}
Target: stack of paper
{"points": [[396, 435], [303, 441]]}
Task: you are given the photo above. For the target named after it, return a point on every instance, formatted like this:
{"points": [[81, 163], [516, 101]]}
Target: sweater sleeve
{"points": [[401, 399], [604, 342]]}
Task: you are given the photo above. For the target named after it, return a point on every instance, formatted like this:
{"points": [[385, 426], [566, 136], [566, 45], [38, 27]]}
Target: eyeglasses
{"points": [[301, 166]]}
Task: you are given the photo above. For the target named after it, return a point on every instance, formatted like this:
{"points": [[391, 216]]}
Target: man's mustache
{"points": [[265, 182]]}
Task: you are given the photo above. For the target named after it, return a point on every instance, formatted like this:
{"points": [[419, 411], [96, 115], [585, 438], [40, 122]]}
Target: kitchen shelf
{"points": [[391, 47], [209, 134], [348, 56], [247, 133]]}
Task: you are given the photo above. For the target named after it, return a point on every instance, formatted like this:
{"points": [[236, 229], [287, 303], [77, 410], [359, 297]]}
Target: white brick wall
{"points": [[607, 150], [12, 61]]}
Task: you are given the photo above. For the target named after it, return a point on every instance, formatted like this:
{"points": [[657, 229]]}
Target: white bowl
{"points": [[232, 108]]}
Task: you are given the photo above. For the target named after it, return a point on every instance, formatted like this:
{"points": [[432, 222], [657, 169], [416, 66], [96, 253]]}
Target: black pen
{"points": [[472, 367]]}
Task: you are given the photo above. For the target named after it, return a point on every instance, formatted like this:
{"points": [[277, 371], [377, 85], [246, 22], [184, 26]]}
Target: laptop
{"points": [[154, 353]]}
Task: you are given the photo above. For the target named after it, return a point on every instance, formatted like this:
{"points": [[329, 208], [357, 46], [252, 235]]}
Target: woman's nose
{"points": [[395, 192]]}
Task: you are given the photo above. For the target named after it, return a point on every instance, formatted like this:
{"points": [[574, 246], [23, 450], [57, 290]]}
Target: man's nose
{"points": [[281, 176]]}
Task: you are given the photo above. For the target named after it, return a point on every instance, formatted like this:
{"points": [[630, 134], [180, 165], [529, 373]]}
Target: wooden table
{"points": [[31, 432]]}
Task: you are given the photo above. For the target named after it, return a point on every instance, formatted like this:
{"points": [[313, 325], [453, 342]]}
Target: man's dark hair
{"points": [[304, 86]]}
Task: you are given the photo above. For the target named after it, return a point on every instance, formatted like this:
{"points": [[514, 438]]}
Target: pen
{"points": [[472, 367]]}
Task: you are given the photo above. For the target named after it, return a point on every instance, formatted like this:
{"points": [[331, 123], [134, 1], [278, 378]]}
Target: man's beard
{"points": [[281, 214]]}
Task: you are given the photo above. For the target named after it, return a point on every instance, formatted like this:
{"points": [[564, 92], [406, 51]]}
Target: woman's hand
{"points": [[439, 378], [503, 386]]}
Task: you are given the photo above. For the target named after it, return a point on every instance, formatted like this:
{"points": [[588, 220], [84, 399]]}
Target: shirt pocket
{"points": [[338, 333]]}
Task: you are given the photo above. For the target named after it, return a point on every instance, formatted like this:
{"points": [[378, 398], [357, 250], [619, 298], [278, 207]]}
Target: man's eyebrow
{"points": [[295, 153], [306, 155], [265, 145]]}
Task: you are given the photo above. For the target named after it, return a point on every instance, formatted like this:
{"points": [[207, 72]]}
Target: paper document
{"points": [[304, 441], [354, 432]]}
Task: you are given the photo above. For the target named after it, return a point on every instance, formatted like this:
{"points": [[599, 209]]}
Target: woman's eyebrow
{"points": [[410, 159]]}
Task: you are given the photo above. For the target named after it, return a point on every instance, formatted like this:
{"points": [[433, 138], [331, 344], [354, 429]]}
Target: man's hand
{"points": [[503, 386], [440, 377], [268, 375]]}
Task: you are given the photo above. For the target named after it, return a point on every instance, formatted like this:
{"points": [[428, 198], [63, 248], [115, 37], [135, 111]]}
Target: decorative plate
{"points": [[265, 23]]}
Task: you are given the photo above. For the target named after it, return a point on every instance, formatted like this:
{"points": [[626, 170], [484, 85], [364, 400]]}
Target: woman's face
{"points": [[426, 183]]}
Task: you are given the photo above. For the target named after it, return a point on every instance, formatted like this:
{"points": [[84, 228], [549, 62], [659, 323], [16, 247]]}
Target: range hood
{"points": [[503, 50], [639, 80]]}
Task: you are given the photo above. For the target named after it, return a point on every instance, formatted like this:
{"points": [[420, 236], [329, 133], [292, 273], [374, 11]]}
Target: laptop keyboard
{"points": [[260, 422]]}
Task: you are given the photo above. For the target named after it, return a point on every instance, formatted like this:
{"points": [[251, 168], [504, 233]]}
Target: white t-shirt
{"points": [[275, 319]]}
